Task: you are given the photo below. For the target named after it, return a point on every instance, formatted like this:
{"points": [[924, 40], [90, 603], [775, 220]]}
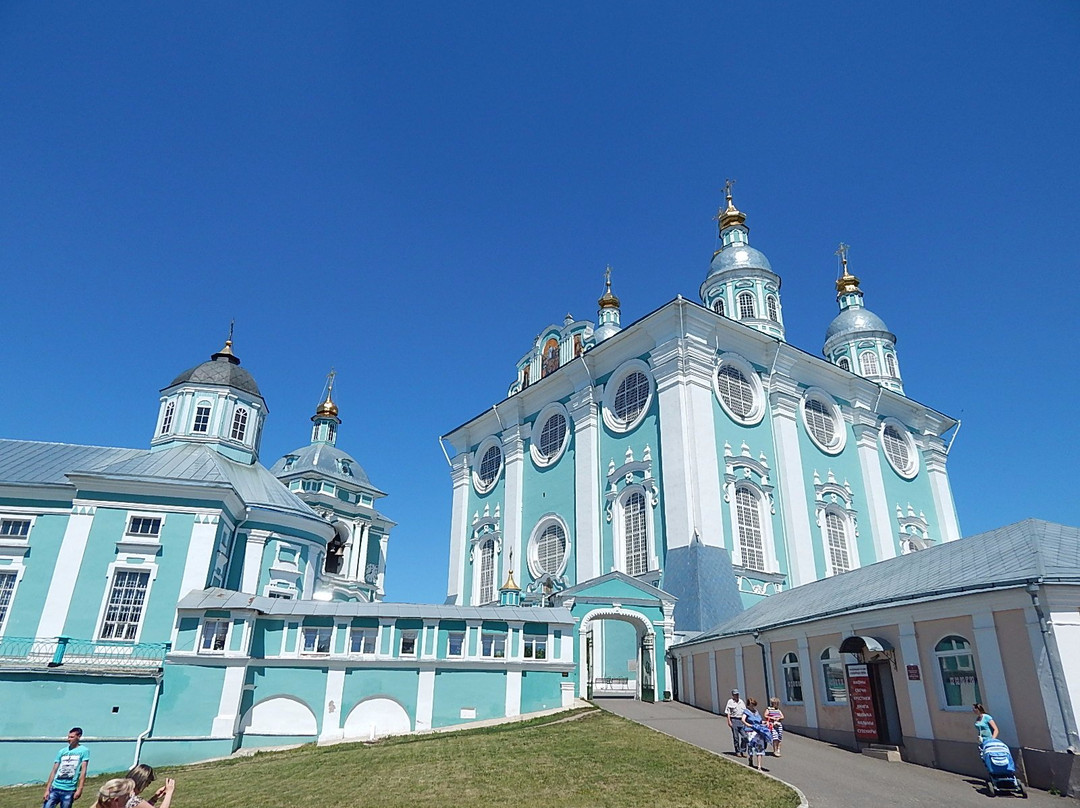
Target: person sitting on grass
{"points": [[142, 775], [115, 793]]}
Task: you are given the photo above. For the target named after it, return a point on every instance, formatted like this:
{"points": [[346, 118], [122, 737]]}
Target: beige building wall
{"points": [[702, 688], [1031, 727]]}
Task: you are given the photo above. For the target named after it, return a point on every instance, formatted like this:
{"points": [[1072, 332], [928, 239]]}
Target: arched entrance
{"points": [[616, 654]]}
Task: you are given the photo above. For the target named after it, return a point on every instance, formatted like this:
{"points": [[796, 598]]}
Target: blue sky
{"points": [[409, 192]]}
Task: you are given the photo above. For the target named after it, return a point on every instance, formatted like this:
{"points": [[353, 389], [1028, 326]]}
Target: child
{"points": [[774, 719]]}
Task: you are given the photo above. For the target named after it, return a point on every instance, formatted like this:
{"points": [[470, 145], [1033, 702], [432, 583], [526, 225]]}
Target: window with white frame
{"points": [[487, 472], [455, 644], [738, 388], [635, 534], [823, 423], [747, 309], [239, 424], [890, 365], [202, 418], [316, 639], [718, 306], [215, 634], [773, 308], [167, 418], [792, 679], [836, 537], [631, 397], [551, 435], [492, 645], [868, 363], [549, 550], [832, 674], [956, 666], [899, 449], [362, 641], [125, 605], [844, 363], [535, 647], [7, 594], [146, 526], [407, 647], [487, 572], [750, 536], [15, 528], [280, 594]]}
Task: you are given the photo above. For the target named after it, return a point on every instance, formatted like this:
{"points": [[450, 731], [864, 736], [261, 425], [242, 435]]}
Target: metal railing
{"points": [[78, 654]]}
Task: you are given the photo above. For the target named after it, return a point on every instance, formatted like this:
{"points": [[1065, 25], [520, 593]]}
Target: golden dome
{"points": [[730, 215], [608, 300], [847, 283], [510, 584], [328, 409]]}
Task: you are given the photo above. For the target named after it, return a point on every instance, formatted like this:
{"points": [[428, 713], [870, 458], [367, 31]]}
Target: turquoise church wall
{"points": [[397, 684], [40, 562], [541, 690], [185, 708], [620, 650], [484, 691]]}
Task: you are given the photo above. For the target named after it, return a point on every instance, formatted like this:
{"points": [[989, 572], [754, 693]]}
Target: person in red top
{"points": [[774, 719]]}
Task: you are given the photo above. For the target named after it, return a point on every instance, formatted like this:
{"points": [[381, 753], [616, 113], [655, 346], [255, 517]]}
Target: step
{"points": [[884, 752]]}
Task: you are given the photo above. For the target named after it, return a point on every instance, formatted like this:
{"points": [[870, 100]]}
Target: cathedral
{"points": [[640, 487]]}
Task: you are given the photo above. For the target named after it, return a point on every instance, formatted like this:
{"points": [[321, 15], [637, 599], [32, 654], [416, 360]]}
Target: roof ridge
{"points": [[74, 445]]}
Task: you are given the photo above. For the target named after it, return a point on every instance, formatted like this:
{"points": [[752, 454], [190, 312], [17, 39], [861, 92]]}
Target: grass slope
{"points": [[597, 760]]}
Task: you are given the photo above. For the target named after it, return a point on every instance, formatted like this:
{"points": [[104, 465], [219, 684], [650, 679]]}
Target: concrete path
{"points": [[829, 776]]}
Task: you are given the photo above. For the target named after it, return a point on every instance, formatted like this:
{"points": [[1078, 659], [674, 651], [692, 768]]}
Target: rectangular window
{"points": [[455, 644], [311, 485], [7, 592], [493, 646], [144, 526], [202, 419], [214, 634], [535, 648], [316, 640], [276, 593], [408, 643], [124, 609], [166, 420], [18, 528], [239, 425], [362, 641]]}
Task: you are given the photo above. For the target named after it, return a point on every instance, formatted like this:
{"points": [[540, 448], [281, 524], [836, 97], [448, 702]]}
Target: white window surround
{"points": [[315, 640], [844, 363], [836, 530], [831, 660], [789, 664], [832, 412], [611, 390], [363, 640], [167, 416], [281, 589], [618, 519], [239, 429], [745, 471], [110, 578], [538, 457], [17, 538], [408, 642], [459, 638], [211, 629], [772, 305], [890, 365], [139, 527], [493, 645], [912, 469], [484, 486], [532, 554], [14, 572], [202, 419], [757, 410], [747, 305], [868, 363], [486, 571], [969, 651], [533, 646]]}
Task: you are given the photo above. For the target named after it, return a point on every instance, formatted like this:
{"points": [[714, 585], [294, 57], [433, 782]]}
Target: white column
{"points": [[253, 561], [425, 699], [459, 527], [513, 693], [909, 655], [1047, 697], [688, 677], [788, 467], [331, 718], [380, 581], [232, 689], [676, 445], [587, 493], [806, 675], [874, 488], [992, 682], [514, 453], [934, 457], [714, 687], [66, 572], [200, 554], [705, 465]]}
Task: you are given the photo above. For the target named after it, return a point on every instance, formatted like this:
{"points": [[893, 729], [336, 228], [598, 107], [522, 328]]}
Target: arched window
{"points": [[837, 537], [751, 543], [487, 572], [718, 306], [774, 312], [890, 365], [820, 422], [747, 310], [792, 679], [551, 549], [843, 363], [202, 418], [166, 419], [868, 363], [490, 466], [832, 673], [551, 357], [239, 424], [956, 664], [735, 390], [635, 537], [335, 556]]}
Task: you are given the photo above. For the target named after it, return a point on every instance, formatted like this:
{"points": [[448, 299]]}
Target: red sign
{"points": [[913, 673], [862, 703]]}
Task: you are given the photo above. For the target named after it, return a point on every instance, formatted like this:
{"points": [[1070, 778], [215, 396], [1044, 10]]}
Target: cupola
{"points": [[325, 421], [608, 317]]}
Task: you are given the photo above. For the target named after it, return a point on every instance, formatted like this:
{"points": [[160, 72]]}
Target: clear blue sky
{"points": [[409, 192]]}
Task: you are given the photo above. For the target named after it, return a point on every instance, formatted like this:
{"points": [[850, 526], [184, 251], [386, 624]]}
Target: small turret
{"points": [[608, 317], [326, 419]]}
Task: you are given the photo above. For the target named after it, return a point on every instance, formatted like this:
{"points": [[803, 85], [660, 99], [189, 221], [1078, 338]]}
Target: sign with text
{"points": [[913, 673], [862, 703]]}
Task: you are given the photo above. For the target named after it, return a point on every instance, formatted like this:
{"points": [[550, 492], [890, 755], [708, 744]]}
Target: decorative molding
{"points": [[914, 530], [750, 467], [627, 474]]}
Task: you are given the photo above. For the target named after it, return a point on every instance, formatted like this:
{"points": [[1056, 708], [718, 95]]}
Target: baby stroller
{"points": [[1000, 770]]}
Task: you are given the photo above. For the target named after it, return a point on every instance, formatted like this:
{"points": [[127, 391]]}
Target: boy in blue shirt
{"points": [[65, 783]]}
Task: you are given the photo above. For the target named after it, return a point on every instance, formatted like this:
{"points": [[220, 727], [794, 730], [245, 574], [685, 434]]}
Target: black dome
{"points": [[220, 371]]}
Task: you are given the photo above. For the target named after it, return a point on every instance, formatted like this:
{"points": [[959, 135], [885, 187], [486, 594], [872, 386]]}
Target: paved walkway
{"points": [[828, 775]]}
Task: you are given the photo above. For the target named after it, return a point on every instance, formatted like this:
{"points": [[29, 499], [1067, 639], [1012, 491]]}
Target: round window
{"points": [[739, 390], [550, 433], [551, 549], [627, 396], [488, 470], [899, 450], [823, 423]]}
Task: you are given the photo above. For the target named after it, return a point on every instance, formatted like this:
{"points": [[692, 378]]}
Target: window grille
{"points": [[896, 448], [239, 424], [551, 435], [868, 363], [774, 313], [202, 418], [487, 572], [844, 363], [819, 420], [166, 419], [489, 465], [631, 397], [890, 365], [7, 594], [747, 309], [19, 528], [750, 537], [550, 549], [956, 665], [124, 609], [635, 534], [718, 306], [735, 390], [836, 533], [144, 526], [792, 679]]}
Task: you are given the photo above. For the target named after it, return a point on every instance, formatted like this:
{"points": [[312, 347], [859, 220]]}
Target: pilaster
{"points": [[513, 439], [425, 699], [934, 457], [676, 443], [916, 689], [62, 586], [587, 508], [232, 689], [459, 527], [513, 693], [992, 681], [331, 719], [866, 439], [806, 678], [794, 506], [253, 560]]}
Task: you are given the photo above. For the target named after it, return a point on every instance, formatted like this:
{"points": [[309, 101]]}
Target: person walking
{"points": [[68, 775], [757, 734], [984, 723], [774, 720], [734, 710]]}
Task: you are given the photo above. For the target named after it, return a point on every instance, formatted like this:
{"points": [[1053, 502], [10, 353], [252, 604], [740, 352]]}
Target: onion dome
{"points": [[608, 300], [609, 316], [328, 409], [222, 369]]}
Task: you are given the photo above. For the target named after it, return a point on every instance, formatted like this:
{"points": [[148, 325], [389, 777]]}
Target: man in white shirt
{"points": [[734, 711]]}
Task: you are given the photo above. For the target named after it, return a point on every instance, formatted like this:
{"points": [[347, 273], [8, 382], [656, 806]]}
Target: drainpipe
{"points": [[153, 713], [1054, 656], [764, 666]]}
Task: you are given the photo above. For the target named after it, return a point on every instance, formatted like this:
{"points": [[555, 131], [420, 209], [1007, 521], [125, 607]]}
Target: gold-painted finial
{"points": [[608, 300], [511, 584], [846, 283], [328, 409], [729, 215], [227, 352]]}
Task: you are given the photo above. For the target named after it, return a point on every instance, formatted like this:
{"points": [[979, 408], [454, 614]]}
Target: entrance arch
{"points": [[592, 650]]}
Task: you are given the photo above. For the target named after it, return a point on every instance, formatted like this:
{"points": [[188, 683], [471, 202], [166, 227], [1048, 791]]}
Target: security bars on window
{"points": [[125, 607], [735, 390]]}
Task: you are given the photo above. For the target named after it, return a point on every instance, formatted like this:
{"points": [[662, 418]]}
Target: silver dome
{"points": [[738, 256], [853, 320], [324, 459]]}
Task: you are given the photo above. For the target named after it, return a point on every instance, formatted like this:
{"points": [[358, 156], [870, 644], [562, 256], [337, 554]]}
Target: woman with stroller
{"points": [[984, 723], [774, 720], [757, 734]]}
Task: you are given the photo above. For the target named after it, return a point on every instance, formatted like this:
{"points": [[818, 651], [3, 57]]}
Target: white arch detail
{"points": [[280, 715], [376, 717], [644, 629]]}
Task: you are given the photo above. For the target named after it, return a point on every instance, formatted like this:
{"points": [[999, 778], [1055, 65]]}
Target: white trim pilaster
{"points": [[587, 503], [62, 586], [866, 438], [993, 684], [200, 553], [909, 655], [513, 693], [425, 699], [459, 528], [514, 454], [795, 511], [232, 690], [331, 718], [253, 561], [944, 505], [714, 689]]}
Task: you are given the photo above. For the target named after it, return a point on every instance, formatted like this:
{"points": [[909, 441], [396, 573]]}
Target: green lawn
{"points": [[596, 760]]}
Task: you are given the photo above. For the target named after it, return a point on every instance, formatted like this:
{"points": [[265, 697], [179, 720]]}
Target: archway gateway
{"points": [[617, 663]]}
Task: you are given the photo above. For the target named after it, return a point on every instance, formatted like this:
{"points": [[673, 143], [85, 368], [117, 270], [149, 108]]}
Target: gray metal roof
{"points": [[1004, 557], [220, 371], [217, 598], [36, 462], [738, 256], [856, 320], [326, 461]]}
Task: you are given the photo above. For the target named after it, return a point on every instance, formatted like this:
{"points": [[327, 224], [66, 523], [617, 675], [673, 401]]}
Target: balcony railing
{"points": [[99, 656]]}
